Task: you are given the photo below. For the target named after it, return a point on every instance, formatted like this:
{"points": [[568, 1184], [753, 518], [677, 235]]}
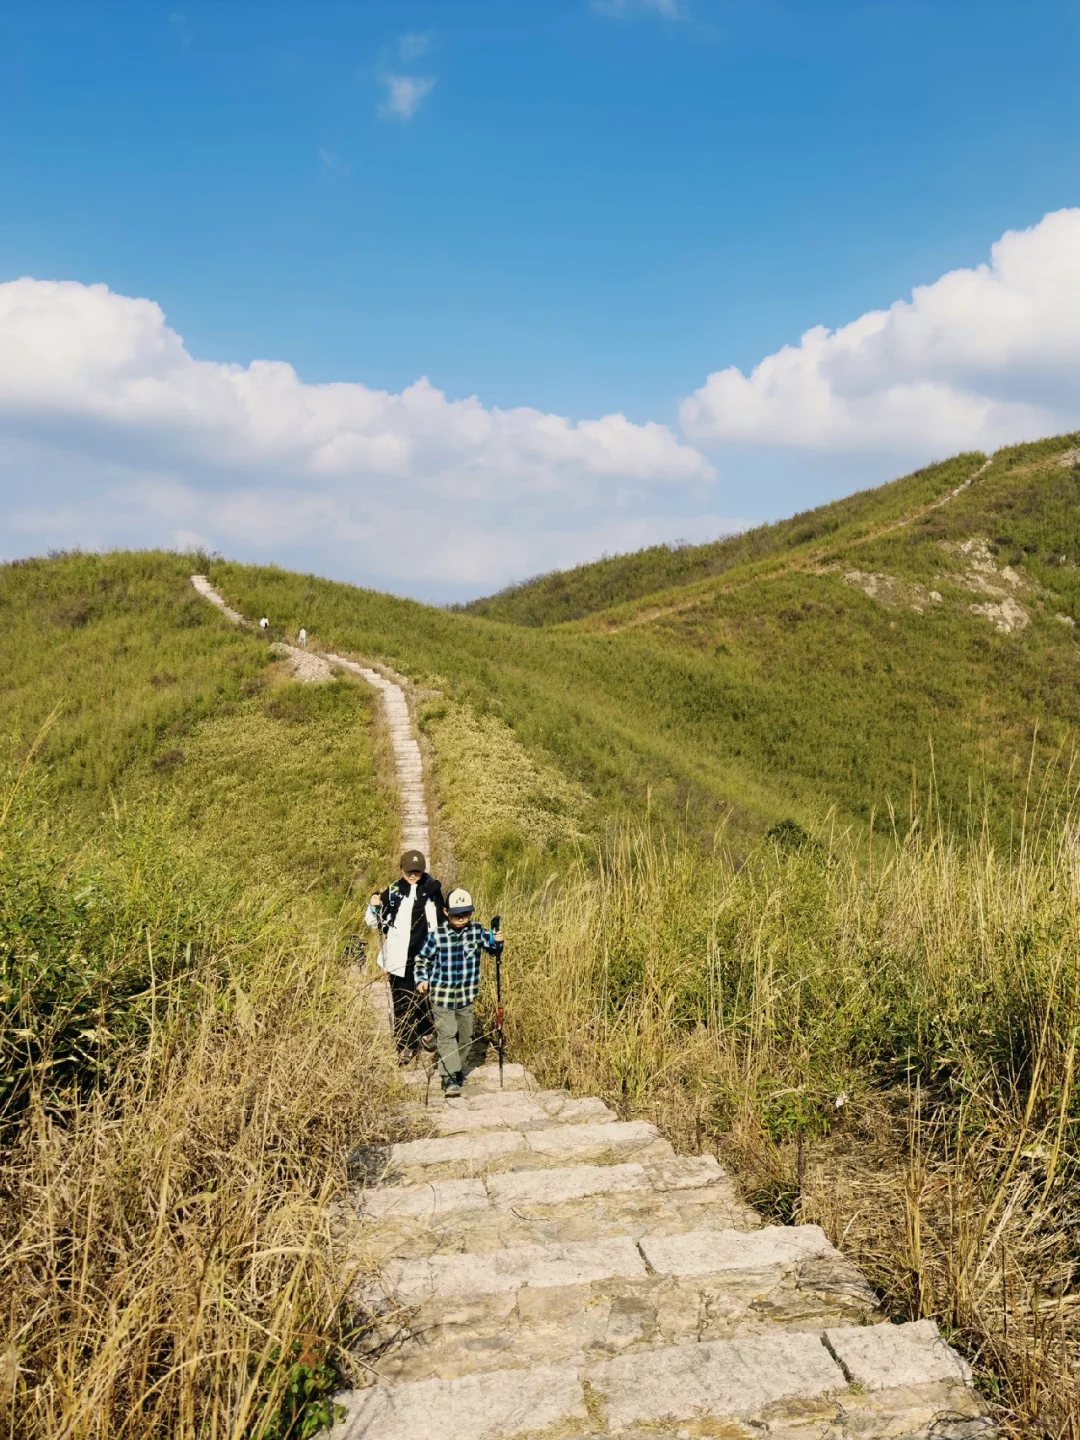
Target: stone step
{"points": [[700, 1252], [423, 1202], [792, 1383], [477, 1407], [430, 1223], [712, 1252], [494, 1099], [459, 1156], [721, 1380], [580, 1182], [563, 1205], [454, 1278], [698, 1175], [456, 1314], [522, 1116], [484, 1079]]}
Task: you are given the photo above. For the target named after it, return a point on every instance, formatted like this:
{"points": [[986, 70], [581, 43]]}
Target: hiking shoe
{"points": [[460, 1078], [405, 1057], [428, 1042], [451, 1087]]}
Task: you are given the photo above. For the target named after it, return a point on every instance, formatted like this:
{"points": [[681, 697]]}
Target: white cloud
{"points": [[111, 432], [404, 95], [413, 45], [181, 28], [980, 358], [620, 9], [332, 163]]}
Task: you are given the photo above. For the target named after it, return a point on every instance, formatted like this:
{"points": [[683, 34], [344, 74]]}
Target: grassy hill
{"points": [[184, 1061], [772, 675], [156, 704], [877, 1031], [572, 594]]}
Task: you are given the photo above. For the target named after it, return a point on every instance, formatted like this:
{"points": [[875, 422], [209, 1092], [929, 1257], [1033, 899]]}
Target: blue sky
{"points": [[585, 209]]}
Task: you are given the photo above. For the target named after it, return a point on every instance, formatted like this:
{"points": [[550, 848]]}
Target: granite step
{"points": [[790, 1383], [460, 1313], [738, 1379], [461, 1156], [524, 1114], [549, 1187], [492, 1099], [484, 1079], [560, 1205], [476, 1407]]}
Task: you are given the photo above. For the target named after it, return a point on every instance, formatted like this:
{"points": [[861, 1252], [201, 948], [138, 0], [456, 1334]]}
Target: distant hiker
{"points": [[404, 914], [448, 968], [264, 623], [303, 637]]}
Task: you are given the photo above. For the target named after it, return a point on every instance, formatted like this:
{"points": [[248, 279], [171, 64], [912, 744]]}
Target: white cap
{"points": [[460, 903]]}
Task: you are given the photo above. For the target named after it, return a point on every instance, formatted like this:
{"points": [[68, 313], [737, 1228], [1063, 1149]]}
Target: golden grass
{"points": [[166, 1254], [885, 1045]]}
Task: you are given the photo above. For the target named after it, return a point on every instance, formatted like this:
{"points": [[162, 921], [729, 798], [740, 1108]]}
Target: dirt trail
{"points": [[314, 666], [807, 564]]}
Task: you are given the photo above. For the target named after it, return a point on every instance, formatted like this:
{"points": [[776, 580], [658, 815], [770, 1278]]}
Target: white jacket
{"points": [[394, 955]]}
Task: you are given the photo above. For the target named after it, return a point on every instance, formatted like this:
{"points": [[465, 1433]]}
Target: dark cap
{"points": [[413, 860]]}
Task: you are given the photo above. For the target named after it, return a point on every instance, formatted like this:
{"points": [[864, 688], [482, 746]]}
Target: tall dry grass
{"points": [[167, 1260], [186, 1067], [880, 1040]]}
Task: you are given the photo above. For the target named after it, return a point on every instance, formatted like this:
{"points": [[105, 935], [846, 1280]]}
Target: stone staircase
{"points": [[546, 1269], [549, 1272]]}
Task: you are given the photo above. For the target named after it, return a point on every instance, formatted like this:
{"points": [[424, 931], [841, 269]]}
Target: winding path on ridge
{"points": [[539, 1269], [314, 665], [806, 564]]}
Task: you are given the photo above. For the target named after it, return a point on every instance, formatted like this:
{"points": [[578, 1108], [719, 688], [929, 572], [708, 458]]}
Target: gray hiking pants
{"points": [[453, 1029]]}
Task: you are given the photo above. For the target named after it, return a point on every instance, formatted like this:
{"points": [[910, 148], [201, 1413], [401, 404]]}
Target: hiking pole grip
{"points": [[496, 924]]}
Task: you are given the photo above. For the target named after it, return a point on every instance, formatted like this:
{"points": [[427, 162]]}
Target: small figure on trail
{"points": [[448, 968], [264, 623], [302, 637], [404, 914]]}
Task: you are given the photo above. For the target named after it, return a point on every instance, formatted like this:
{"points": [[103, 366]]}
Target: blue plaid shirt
{"points": [[449, 961]]}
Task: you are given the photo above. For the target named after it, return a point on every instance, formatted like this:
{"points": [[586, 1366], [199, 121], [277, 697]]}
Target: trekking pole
{"points": [[496, 924]]}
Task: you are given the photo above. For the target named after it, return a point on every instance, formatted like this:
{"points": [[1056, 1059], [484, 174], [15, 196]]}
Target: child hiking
{"points": [[404, 914], [448, 967]]}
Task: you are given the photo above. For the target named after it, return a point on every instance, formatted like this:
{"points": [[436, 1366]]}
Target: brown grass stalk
{"points": [[166, 1253]]}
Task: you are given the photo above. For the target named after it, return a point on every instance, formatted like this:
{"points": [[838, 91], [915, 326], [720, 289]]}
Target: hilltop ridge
{"points": [[826, 663], [563, 595], [823, 663]]}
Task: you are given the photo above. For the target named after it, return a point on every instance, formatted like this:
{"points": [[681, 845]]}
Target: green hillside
{"points": [[572, 594], [876, 1031], [787, 680], [184, 1061], [154, 703]]}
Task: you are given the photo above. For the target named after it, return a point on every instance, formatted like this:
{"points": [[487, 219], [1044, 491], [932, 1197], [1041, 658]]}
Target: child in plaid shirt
{"points": [[448, 968]]}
